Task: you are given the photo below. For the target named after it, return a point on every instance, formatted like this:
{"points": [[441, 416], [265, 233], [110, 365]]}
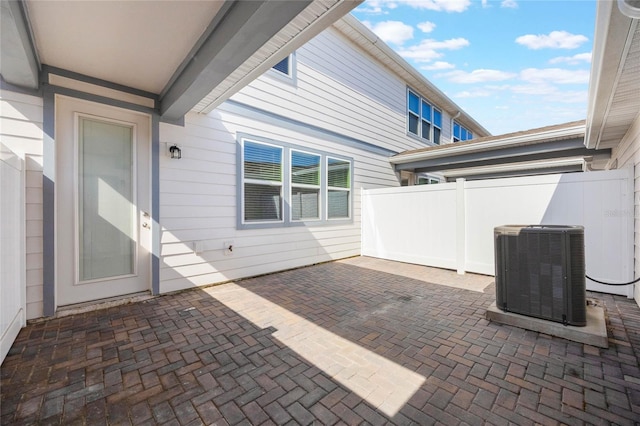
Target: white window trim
{"points": [[429, 140], [291, 77], [280, 184], [300, 185], [287, 186], [337, 188]]}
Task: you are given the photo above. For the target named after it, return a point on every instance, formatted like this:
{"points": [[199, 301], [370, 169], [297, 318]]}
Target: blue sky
{"points": [[513, 65]]}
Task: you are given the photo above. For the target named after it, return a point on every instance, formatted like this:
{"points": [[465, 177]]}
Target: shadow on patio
{"points": [[337, 342]]}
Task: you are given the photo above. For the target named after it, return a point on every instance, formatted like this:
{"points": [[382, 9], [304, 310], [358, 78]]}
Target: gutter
{"points": [[481, 146]]}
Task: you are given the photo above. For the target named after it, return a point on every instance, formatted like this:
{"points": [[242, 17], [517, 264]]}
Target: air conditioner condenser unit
{"points": [[540, 272]]}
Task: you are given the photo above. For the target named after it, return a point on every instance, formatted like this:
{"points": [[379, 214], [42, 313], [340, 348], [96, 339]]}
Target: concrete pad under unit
{"points": [[594, 333]]}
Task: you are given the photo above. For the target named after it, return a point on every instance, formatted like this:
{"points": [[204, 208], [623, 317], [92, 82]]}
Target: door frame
{"points": [[70, 289], [106, 93]]}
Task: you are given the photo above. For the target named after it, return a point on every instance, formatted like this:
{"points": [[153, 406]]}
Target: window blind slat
{"points": [[305, 168]]}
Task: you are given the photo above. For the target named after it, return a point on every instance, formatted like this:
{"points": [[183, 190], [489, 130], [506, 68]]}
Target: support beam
{"points": [[19, 63], [235, 37], [510, 154]]}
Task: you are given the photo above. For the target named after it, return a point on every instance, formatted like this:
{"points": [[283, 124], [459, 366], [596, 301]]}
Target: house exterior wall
{"points": [[627, 154], [198, 204], [342, 102], [21, 131], [358, 110], [341, 88]]}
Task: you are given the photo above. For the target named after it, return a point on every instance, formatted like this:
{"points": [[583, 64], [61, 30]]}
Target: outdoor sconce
{"points": [[175, 152]]}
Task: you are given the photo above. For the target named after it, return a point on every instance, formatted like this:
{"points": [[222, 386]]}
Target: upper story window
{"points": [[460, 133], [423, 119], [284, 66], [281, 185]]}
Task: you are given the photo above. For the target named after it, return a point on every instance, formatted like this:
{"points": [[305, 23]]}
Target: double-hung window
{"points": [[460, 133], [437, 126], [283, 185], [305, 185], [338, 188], [263, 189], [423, 119]]}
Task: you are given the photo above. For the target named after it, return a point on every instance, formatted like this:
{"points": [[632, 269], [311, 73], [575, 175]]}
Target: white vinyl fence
{"points": [[12, 287], [451, 225]]}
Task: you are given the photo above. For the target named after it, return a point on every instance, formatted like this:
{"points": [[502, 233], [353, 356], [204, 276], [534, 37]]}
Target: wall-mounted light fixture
{"points": [[175, 152]]}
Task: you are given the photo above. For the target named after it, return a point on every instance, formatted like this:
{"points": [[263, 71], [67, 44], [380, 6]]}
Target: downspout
{"points": [[452, 120]]}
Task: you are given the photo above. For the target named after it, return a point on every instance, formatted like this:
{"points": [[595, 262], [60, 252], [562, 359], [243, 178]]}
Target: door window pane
{"points": [[106, 213]]}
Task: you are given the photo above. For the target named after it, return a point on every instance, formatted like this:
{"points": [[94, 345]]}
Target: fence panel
{"points": [[461, 232], [12, 287]]}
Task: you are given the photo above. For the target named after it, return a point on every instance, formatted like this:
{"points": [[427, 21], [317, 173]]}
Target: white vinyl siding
{"points": [[342, 89], [627, 154], [198, 204], [21, 131]]}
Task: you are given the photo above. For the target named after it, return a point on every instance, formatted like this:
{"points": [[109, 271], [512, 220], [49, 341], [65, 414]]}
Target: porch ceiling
{"points": [[181, 51], [615, 77], [137, 44]]}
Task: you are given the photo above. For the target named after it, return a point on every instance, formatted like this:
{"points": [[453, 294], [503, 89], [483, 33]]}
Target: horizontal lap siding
{"points": [[627, 154], [21, 131], [340, 88], [198, 204]]}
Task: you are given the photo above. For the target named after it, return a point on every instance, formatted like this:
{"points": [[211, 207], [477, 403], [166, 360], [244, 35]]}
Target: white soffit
{"points": [[138, 44], [319, 15], [625, 103], [614, 90]]}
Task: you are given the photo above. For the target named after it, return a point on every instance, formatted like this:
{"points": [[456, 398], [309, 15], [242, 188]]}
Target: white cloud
{"points": [[553, 40], [511, 4], [554, 76], [438, 5], [438, 66], [395, 32], [480, 93], [478, 76], [375, 7], [572, 60], [428, 50], [426, 27], [485, 3]]}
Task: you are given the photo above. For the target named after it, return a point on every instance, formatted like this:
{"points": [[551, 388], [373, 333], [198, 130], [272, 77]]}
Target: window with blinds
{"points": [[282, 185], [284, 66], [305, 185], [338, 187], [262, 182]]}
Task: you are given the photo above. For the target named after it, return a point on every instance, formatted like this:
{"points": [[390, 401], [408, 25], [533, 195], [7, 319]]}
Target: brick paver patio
{"points": [[359, 341]]}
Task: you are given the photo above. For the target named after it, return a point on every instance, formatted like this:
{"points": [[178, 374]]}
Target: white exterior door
{"points": [[103, 224]]}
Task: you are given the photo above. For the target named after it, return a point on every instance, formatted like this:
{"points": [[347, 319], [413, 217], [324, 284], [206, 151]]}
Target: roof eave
{"points": [[349, 24], [562, 133], [611, 36]]}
